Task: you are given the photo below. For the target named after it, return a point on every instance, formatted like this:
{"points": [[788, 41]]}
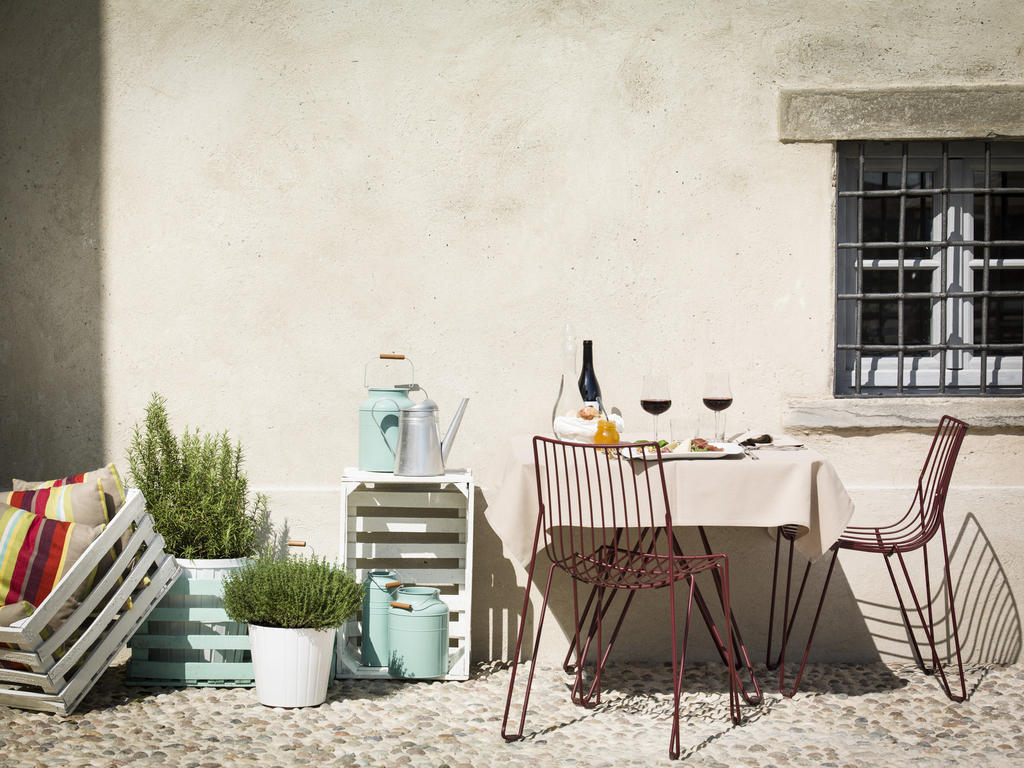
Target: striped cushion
{"points": [[108, 475], [76, 503], [35, 552]]}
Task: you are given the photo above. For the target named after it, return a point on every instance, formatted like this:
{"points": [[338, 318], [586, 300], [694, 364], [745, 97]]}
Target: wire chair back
{"points": [[605, 520], [923, 518]]}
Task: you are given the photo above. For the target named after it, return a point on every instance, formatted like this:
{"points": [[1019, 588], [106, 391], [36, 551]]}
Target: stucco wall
{"points": [[283, 191]]}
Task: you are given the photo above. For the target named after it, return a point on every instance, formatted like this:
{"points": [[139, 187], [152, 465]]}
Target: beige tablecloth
{"points": [[780, 487]]}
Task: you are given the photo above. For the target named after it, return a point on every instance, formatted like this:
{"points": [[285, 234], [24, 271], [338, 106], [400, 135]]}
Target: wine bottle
{"points": [[590, 390]]}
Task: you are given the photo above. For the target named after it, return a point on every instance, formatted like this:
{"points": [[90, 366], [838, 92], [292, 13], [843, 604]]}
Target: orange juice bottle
{"points": [[607, 434]]}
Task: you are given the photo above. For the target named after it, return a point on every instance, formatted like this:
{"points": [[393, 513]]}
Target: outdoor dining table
{"points": [[793, 487]]}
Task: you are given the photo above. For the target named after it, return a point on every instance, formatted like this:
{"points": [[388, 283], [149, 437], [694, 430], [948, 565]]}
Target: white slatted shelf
{"points": [[423, 529], [362, 524]]}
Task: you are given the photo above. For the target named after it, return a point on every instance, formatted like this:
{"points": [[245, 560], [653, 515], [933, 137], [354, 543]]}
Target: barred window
{"points": [[930, 268]]}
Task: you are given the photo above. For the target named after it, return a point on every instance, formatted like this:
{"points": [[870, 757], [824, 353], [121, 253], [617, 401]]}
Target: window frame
{"points": [[950, 364]]}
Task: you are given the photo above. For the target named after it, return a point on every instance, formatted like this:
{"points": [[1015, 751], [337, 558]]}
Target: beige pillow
{"points": [[112, 486], [15, 612]]}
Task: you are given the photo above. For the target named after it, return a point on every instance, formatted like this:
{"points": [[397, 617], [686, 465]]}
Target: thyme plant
{"points": [[196, 490], [292, 592]]}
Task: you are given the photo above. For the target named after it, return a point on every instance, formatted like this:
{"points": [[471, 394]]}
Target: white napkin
{"points": [[785, 441], [778, 440], [578, 430]]}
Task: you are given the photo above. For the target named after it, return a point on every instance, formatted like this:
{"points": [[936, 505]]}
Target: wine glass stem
{"points": [[655, 427], [719, 426]]}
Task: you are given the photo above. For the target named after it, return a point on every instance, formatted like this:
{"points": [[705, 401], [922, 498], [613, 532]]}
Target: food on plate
{"points": [[666, 446], [700, 445], [588, 412]]}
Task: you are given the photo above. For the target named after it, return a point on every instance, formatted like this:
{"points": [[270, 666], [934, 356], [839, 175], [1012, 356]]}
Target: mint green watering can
{"points": [[379, 590], [378, 420], [418, 633]]}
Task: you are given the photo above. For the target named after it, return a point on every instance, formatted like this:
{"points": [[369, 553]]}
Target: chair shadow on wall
{"points": [[988, 619]]}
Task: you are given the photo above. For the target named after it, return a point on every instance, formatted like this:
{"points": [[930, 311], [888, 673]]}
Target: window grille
{"points": [[930, 268]]}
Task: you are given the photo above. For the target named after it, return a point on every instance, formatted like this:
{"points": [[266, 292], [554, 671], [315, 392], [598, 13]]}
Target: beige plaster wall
{"points": [[287, 189]]}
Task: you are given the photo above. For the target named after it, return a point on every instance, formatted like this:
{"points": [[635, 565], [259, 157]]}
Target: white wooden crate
{"points": [[423, 529], [99, 627]]}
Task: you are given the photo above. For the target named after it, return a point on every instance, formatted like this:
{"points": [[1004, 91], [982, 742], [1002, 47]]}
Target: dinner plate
{"points": [[728, 449]]}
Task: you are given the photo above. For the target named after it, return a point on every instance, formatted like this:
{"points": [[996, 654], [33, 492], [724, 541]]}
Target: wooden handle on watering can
{"points": [[297, 543], [403, 606], [392, 584], [386, 356]]}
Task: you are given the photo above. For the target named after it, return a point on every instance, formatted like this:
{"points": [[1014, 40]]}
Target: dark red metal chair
{"points": [[911, 532], [606, 522]]}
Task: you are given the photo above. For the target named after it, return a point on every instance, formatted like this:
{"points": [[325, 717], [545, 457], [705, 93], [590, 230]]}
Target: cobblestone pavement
{"points": [[845, 716]]}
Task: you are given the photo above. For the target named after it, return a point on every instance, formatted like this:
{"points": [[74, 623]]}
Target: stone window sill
{"points": [[995, 413]]}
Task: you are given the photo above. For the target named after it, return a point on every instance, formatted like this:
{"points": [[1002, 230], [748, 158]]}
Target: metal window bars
{"points": [[947, 297]]}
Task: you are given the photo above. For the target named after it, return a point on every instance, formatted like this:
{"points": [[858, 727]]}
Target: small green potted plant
{"points": [[198, 494], [293, 606]]}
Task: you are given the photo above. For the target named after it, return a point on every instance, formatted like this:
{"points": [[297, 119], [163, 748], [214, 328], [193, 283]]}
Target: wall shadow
{"points": [[51, 343], [497, 601], [988, 619], [987, 613]]}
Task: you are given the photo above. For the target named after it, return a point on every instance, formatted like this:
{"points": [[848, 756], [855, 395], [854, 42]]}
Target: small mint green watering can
{"points": [[379, 590], [378, 420], [418, 633]]}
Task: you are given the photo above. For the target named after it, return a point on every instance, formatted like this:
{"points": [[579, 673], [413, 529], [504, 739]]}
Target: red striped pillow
{"points": [[36, 552], [77, 503]]}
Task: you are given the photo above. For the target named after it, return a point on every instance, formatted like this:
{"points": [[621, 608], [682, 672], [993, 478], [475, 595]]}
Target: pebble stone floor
{"points": [[846, 716]]}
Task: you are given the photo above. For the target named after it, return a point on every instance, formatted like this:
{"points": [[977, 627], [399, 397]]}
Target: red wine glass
{"points": [[655, 398], [717, 396]]}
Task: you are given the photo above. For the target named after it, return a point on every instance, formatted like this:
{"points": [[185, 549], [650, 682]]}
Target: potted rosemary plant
{"points": [[293, 606], [198, 495]]}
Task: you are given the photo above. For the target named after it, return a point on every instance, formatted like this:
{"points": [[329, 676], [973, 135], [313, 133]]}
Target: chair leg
{"points": [[768, 662], [593, 695], [721, 572], [789, 618], [771, 604], [679, 664], [591, 634], [518, 734], [641, 545], [734, 679], [740, 648], [928, 625], [566, 665]]}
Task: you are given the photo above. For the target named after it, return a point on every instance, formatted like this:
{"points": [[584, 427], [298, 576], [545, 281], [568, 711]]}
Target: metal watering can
{"points": [[421, 451]]}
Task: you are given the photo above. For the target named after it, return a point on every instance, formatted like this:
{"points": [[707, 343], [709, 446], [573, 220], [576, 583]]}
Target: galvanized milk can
{"points": [[379, 590], [418, 633], [378, 420]]}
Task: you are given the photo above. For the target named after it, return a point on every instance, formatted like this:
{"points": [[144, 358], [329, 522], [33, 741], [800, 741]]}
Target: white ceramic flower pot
{"points": [[292, 667]]}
